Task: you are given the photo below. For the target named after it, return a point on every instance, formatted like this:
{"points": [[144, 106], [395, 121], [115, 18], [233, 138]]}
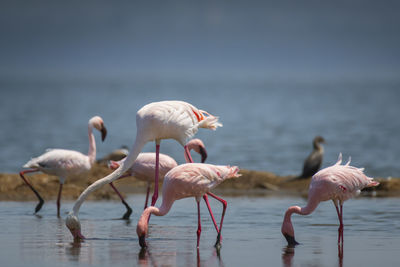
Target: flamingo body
{"points": [[186, 180], [64, 163], [337, 183], [61, 163]]}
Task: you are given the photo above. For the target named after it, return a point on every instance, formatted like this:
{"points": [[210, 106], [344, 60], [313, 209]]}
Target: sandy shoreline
{"points": [[12, 188]]}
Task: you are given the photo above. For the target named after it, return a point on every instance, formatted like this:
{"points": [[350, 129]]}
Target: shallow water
{"points": [[251, 234]]}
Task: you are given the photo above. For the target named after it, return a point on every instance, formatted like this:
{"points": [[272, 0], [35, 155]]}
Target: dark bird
{"points": [[314, 160]]}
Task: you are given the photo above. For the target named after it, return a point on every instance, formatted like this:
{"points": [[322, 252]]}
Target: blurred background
{"points": [[277, 73]]}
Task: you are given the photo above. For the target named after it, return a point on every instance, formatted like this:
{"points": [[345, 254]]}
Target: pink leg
{"points": [[147, 195], [205, 197], [128, 208], [155, 194], [224, 205], [59, 200], [340, 230], [198, 224], [41, 201]]}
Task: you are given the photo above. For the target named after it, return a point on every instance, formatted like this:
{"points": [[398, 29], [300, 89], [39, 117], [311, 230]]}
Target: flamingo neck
{"points": [[92, 145], [142, 225], [188, 157], [133, 154]]}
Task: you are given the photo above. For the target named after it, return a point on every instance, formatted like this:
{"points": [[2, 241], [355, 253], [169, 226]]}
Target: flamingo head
{"points": [[113, 165], [97, 122], [74, 226], [198, 146], [288, 231], [141, 231]]}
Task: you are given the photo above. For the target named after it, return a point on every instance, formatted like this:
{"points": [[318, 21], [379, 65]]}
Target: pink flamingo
{"points": [[187, 180], [64, 163], [338, 183], [144, 166], [156, 121]]}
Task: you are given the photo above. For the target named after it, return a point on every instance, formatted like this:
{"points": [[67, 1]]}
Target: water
{"points": [[268, 123], [251, 235]]}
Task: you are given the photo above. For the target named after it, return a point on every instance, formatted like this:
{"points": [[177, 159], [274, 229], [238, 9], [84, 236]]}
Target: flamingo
{"points": [[64, 163], [144, 165], [314, 160], [155, 121], [187, 180], [338, 183]]}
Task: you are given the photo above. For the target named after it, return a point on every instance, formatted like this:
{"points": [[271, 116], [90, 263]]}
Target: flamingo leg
{"points": [[155, 194], [59, 199], [41, 201], [198, 224], [128, 208], [147, 195], [205, 197], [339, 212], [224, 205], [341, 223]]}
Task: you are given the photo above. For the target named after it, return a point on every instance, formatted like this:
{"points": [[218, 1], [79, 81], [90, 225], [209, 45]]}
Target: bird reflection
{"points": [[287, 256], [340, 253], [146, 258], [74, 250]]}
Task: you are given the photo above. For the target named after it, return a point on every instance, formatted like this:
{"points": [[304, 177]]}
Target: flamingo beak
{"points": [[142, 241], [103, 133], [203, 153], [78, 237], [291, 241]]}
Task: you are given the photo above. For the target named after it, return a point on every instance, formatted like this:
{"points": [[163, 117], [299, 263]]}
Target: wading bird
{"points": [[64, 163], [338, 183], [314, 160], [144, 166], [156, 121], [187, 180]]}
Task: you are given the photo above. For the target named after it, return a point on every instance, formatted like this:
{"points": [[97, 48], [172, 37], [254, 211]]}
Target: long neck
{"points": [[163, 210], [133, 154], [318, 146], [309, 208], [92, 145], [188, 157]]}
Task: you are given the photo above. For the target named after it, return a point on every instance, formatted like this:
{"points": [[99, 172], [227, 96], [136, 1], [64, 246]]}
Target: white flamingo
{"points": [[64, 163], [156, 121]]}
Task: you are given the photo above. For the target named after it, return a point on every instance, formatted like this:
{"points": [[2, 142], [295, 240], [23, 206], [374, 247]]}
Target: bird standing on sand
{"points": [[314, 160], [338, 183], [156, 121], [64, 163], [187, 180]]}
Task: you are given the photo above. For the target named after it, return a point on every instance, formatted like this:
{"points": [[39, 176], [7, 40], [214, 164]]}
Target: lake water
{"points": [[269, 123], [251, 234]]}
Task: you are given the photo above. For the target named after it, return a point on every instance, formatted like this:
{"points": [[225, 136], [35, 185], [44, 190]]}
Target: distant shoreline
{"points": [[251, 183]]}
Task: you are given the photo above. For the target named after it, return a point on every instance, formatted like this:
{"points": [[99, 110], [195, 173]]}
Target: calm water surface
{"points": [[268, 124], [251, 235]]}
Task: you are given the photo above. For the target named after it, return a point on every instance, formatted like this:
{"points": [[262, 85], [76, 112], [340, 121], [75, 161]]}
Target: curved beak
{"points": [[78, 237], [142, 241], [290, 239], [103, 133], [203, 153]]}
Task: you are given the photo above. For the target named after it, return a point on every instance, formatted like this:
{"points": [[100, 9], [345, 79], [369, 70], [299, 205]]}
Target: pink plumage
{"points": [[337, 183], [187, 180]]}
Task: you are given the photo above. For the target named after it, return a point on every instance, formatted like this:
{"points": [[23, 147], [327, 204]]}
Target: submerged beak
{"points": [[78, 237], [203, 153], [103, 133], [291, 241], [142, 241]]}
